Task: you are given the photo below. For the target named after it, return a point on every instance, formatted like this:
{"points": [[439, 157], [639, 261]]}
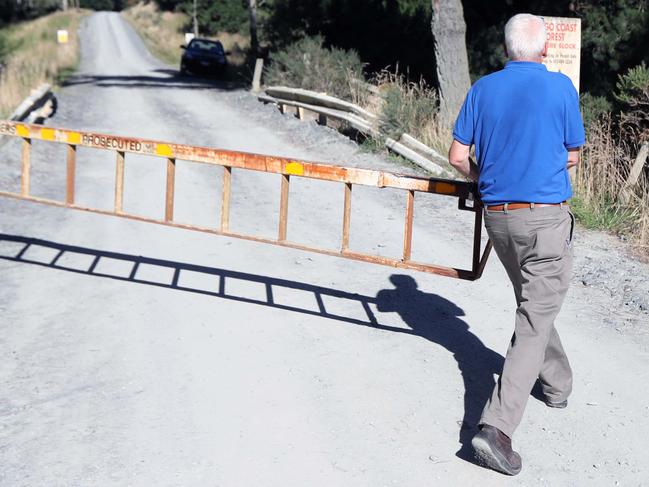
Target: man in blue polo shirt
{"points": [[525, 124]]}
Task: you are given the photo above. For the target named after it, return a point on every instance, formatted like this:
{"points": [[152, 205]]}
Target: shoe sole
{"points": [[557, 405], [487, 457]]}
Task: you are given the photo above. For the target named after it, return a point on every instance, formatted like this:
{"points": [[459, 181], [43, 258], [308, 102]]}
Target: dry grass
{"points": [[601, 178], [404, 107], [164, 32], [36, 58], [414, 109]]}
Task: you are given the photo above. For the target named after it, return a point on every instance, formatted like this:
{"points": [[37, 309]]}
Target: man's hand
{"points": [[458, 157], [573, 157]]}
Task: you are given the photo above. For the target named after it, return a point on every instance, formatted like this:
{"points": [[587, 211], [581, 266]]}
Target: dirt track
{"points": [[115, 377]]}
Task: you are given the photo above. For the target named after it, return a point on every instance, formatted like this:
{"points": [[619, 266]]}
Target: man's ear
{"points": [[506, 53], [545, 50]]}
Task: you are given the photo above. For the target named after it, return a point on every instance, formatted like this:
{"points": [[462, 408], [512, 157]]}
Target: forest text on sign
{"points": [[564, 46]]}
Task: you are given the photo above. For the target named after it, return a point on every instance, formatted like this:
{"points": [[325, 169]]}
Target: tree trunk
{"points": [[449, 32], [195, 19], [254, 42]]}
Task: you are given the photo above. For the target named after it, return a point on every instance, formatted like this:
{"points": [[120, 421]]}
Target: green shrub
{"points": [[407, 107], [308, 64], [633, 96]]}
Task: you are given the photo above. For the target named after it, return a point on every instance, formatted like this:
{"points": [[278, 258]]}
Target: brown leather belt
{"points": [[520, 206]]}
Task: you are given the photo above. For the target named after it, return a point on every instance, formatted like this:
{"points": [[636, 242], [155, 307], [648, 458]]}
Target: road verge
{"points": [[34, 56]]}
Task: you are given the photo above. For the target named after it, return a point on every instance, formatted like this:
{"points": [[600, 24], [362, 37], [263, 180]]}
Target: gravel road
{"points": [[150, 355]]}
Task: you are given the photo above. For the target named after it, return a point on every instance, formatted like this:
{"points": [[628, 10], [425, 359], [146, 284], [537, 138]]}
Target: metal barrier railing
{"points": [[241, 160]]}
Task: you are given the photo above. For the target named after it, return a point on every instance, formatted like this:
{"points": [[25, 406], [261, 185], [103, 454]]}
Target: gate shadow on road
{"points": [[426, 314], [159, 78]]}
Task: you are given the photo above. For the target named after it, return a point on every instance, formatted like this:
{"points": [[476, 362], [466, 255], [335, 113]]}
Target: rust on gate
{"points": [[285, 167]]}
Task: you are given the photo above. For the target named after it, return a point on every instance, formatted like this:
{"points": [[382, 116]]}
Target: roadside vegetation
{"points": [[30, 55], [162, 32], [612, 184]]}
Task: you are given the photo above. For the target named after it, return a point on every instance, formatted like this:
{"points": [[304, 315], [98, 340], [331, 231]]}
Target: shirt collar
{"points": [[525, 64]]}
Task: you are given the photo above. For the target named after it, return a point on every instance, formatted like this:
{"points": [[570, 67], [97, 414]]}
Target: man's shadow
{"points": [[437, 319]]}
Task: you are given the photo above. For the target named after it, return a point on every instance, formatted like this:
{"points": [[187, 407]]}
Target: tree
{"points": [[194, 19], [387, 34], [449, 33], [252, 12], [615, 36]]}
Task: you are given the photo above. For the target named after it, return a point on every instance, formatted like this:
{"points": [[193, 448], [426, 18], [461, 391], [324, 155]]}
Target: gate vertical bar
{"points": [[26, 166], [283, 208], [169, 195], [225, 206], [477, 234], [407, 231], [119, 182], [70, 176], [347, 213]]}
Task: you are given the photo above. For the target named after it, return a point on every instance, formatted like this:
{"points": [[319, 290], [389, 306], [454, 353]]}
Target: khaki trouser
{"points": [[535, 248]]}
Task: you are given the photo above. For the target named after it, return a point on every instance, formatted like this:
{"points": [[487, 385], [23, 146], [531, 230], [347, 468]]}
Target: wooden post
{"points": [[169, 196], [71, 171], [407, 232], [26, 166], [225, 205], [300, 113], [283, 208], [119, 182], [477, 233], [347, 214], [256, 78], [634, 174]]}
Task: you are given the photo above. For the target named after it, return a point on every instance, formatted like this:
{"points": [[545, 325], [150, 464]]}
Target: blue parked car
{"points": [[203, 56]]}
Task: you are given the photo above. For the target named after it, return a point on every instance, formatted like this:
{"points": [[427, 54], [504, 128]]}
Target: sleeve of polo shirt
{"points": [[463, 128], [573, 128]]}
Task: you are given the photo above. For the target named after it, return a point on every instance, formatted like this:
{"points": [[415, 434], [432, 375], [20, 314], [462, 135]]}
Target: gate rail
{"points": [[231, 159]]}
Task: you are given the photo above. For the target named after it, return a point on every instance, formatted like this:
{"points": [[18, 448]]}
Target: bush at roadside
{"points": [[308, 64], [604, 196], [633, 96], [411, 108]]}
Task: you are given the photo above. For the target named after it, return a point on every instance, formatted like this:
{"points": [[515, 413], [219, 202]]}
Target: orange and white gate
{"points": [[287, 168]]}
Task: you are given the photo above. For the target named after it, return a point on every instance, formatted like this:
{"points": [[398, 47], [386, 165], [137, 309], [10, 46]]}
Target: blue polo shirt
{"points": [[522, 121]]}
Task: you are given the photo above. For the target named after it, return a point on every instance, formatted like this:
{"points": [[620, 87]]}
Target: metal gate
{"points": [[348, 177]]}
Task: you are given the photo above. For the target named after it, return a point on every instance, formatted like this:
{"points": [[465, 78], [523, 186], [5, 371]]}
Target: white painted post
{"points": [[256, 79]]}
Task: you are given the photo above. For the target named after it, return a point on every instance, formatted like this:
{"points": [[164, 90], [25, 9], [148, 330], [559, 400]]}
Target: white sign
{"points": [[62, 36], [564, 47], [188, 37]]}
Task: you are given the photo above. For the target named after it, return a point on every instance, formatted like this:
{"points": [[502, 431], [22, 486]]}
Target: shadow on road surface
{"points": [[428, 315], [159, 78], [437, 319]]}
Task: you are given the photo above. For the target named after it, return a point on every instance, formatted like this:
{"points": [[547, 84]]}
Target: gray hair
{"points": [[525, 36]]}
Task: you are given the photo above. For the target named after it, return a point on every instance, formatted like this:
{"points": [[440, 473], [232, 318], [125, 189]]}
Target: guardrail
{"points": [[229, 160], [39, 97], [326, 106], [35, 108]]}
